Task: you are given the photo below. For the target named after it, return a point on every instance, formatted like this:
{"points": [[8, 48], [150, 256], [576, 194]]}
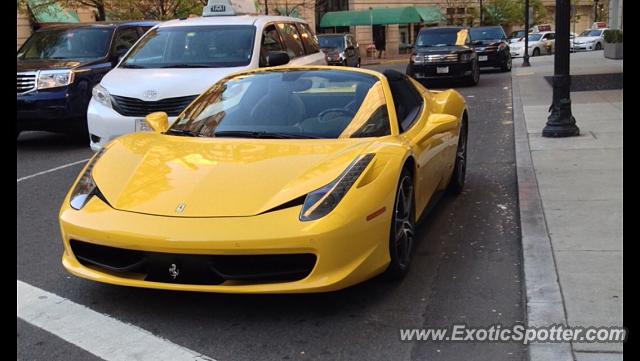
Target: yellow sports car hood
{"points": [[223, 177]]}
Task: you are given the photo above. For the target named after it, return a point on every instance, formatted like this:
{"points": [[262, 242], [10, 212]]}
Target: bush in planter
{"points": [[613, 36], [613, 44]]}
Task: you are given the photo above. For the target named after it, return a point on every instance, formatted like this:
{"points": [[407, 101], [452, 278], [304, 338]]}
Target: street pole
{"points": [[481, 14], [595, 10], [561, 122], [266, 7], [372, 39], [525, 61]]}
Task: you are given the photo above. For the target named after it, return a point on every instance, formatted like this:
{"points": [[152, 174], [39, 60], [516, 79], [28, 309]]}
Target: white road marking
{"points": [[52, 169], [99, 334]]}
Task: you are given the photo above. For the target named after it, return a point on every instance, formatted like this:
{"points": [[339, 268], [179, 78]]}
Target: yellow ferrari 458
{"points": [[277, 180]]}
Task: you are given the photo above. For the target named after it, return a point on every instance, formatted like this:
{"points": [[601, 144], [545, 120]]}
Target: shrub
{"points": [[613, 36]]}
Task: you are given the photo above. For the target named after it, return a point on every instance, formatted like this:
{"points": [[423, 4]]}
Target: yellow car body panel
{"points": [[232, 188]]}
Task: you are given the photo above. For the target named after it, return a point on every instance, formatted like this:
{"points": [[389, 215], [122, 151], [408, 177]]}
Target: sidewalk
{"points": [[570, 195]]}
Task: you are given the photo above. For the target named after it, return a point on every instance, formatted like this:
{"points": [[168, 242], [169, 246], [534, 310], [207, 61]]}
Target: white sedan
{"points": [[591, 39], [539, 44]]}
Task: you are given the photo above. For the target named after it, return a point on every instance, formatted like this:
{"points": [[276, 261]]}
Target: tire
{"points": [[475, 76], [456, 183], [536, 52], [401, 236], [598, 46], [345, 63], [358, 63], [507, 64]]}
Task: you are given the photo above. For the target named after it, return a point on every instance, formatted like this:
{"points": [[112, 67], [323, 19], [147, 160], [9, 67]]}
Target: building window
{"points": [[451, 11], [460, 10]]}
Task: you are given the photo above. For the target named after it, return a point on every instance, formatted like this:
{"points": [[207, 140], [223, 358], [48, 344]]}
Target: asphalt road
{"points": [[466, 269]]}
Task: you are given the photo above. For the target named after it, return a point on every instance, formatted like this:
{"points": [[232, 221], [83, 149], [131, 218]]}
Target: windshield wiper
{"points": [[187, 66], [188, 133], [254, 134]]}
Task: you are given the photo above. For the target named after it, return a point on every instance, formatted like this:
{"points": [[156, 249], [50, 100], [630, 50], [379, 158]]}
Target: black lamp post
{"points": [[561, 122], [525, 61], [481, 14], [595, 10]]}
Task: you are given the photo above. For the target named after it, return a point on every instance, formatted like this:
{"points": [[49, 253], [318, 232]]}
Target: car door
{"points": [[548, 41]]}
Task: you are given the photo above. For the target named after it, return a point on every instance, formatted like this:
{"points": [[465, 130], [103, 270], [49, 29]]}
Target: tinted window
{"points": [[407, 100], [124, 39], [535, 37], [193, 46], [67, 44], [442, 37], [291, 103], [549, 37], [292, 40], [376, 126], [271, 39], [486, 33], [308, 39], [331, 42], [591, 33]]}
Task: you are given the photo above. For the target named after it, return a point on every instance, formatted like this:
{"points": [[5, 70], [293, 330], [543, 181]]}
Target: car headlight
{"points": [[322, 201], [467, 56], [86, 187], [54, 78], [502, 46], [418, 59], [101, 95]]}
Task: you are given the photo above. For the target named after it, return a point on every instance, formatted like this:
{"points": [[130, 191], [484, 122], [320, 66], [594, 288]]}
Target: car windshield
{"points": [[285, 104], [517, 34], [486, 33], [193, 47], [535, 37], [591, 33], [441, 37], [79, 43], [331, 42]]}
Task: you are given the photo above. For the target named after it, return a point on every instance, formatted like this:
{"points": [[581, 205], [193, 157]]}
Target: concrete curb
{"points": [[544, 302], [384, 62]]}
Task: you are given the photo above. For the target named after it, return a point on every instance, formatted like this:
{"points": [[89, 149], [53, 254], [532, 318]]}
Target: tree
{"points": [[509, 12]]}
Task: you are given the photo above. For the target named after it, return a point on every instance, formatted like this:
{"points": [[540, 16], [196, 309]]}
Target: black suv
{"points": [[444, 53], [491, 46], [58, 66]]}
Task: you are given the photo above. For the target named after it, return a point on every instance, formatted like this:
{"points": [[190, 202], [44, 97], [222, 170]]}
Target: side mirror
{"points": [[158, 121], [438, 123], [275, 58]]}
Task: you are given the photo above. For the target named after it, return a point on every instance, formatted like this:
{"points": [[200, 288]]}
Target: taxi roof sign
{"points": [[599, 25], [229, 7]]}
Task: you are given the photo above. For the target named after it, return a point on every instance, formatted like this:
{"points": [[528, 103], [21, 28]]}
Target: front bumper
{"points": [[429, 71], [518, 53], [583, 47], [348, 248], [492, 59], [56, 109], [105, 124]]}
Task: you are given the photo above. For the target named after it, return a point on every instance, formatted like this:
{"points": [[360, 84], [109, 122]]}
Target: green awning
{"points": [[382, 16], [46, 12]]}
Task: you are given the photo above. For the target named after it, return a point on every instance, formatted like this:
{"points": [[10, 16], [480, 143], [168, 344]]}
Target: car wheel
{"points": [[456, 184], [507, 64], [598, 46], [345, 63], [536, 52], [475, 76], [358, 63], [401, 239]]}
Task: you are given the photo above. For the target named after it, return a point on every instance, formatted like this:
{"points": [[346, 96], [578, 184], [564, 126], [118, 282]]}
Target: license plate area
{"points": [[483, 58], [142, 126], [442, 70]]}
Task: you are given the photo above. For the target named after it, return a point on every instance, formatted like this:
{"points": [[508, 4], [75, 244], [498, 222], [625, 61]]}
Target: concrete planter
{"points": [[613, 50]]}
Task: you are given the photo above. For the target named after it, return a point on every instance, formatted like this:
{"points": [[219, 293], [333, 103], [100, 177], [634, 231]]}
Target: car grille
{"points": [[440, 58], [26, 82], [133, 107], [194, 269]]}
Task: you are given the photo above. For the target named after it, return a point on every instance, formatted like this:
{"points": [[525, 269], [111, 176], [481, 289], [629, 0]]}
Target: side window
{"points": [[376, 126], [407, 100], [143, 29], [271, 40], [292, 40], [308, 39], [124, 39]]}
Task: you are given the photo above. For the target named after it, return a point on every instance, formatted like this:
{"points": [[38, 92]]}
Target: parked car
{"points": [[59, 65], [340, 49], [179, 59], [539, 44], [516, 36], [282, 180], [490, 43], [444, 53], [590, 39]]}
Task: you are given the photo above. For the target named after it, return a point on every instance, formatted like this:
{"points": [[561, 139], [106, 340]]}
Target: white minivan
{"points": [[177, 60]]}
